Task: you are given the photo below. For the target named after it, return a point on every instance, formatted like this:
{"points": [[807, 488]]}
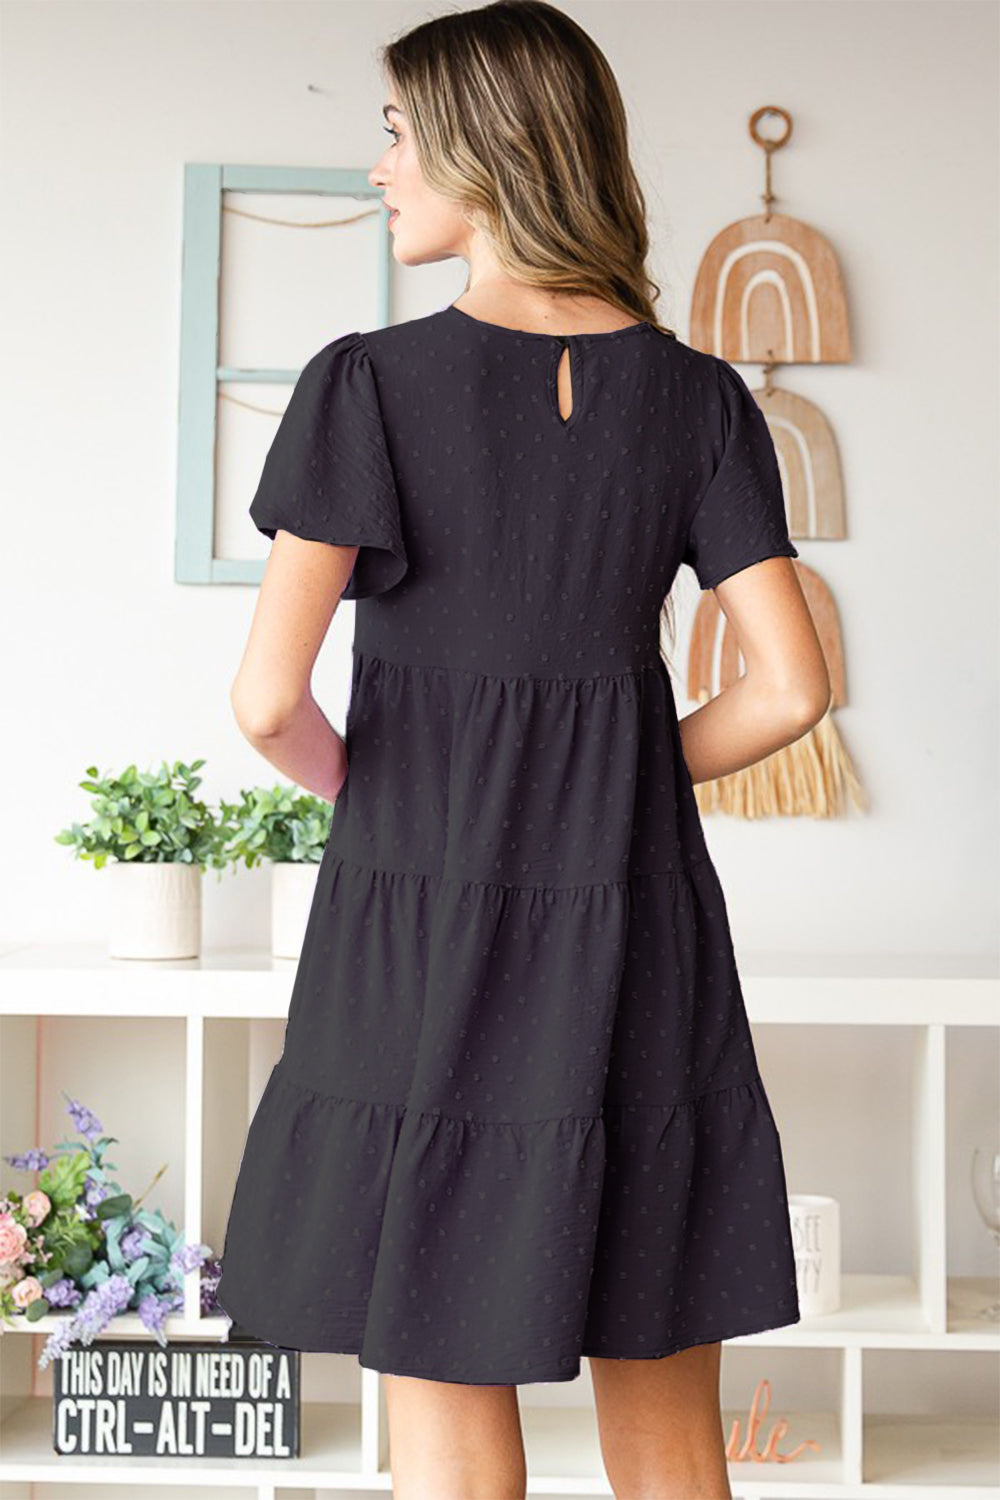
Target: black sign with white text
{"points": [[184, 1400]]}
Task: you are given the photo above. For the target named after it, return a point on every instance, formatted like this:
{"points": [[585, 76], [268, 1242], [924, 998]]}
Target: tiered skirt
{"points": [[518, 1118]]}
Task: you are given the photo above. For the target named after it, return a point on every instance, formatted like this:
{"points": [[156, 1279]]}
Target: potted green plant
{"points": [[156, 837], [289, 828]]}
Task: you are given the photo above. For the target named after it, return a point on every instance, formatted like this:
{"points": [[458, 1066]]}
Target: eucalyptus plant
{"points": [[278, 823], [149, 817]]}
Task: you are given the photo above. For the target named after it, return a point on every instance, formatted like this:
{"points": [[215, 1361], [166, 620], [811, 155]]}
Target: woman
{"points": [[518, 1118]]}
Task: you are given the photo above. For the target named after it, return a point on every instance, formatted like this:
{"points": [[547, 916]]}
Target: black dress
{"points": [[518, 1117]]}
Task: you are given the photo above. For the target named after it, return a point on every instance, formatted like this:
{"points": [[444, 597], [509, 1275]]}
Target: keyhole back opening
{"points": [[566, 378], [565, 384]]}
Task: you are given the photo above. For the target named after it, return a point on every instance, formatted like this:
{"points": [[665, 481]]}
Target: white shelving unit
{"points": [[192, 1044]]}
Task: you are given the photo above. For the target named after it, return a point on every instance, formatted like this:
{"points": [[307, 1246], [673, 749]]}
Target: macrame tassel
{"points": [[812, 777]]}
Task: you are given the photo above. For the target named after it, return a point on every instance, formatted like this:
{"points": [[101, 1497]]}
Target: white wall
{"points": [[894, 157]]}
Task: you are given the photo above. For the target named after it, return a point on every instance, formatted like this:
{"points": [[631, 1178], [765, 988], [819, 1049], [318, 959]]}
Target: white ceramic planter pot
{"points": [[154, 910], [293, 885]]}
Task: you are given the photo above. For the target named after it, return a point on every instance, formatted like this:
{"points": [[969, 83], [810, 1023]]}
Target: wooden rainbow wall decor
{"points": [[769, 290], [808, 462]]}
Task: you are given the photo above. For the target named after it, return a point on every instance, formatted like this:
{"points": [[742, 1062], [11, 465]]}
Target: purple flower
{"points": [[211, 1273], [100, 1305], [85, 1121], [134, 1241], [188, 1258], [93, 1192], [153, 1311], [35, 1160], [64, 1293], [57, 1342]]}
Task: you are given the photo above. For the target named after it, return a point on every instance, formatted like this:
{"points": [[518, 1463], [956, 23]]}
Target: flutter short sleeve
{"points": [[327, 476], [740, 519]]}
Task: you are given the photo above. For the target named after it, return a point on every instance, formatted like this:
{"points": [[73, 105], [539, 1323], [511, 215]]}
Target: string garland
{"points": [[245, 213], [266, 411]]}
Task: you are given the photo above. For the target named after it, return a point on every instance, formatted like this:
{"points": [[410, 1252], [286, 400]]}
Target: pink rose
{"points": [[28, 1289], [36, 1205], [13, 1237]]}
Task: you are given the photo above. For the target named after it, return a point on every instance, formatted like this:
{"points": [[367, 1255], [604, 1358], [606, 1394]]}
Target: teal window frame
{"points": [[200, 371]]}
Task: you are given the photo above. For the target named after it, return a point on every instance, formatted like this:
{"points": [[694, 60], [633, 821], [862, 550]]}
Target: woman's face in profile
{"points": [[424, 225]]}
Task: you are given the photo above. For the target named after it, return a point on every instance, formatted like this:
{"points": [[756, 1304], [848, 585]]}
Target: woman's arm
{"points": [[786, 686], [272, 695]]}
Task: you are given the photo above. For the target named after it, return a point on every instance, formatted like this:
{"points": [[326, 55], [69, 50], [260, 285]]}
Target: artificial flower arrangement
{"points": [[79, 1242]]}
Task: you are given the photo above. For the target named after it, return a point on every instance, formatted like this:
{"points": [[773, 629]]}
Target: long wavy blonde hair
{"points": [[517, 116]]}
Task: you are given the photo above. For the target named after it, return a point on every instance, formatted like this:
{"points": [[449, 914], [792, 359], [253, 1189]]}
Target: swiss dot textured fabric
{"points": [[518, 1117]]}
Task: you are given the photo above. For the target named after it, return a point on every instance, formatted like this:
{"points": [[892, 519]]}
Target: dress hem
{"points": [[761, 1320]]}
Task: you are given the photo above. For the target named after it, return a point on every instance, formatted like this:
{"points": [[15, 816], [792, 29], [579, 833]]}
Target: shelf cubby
{"points": [[882, 1074]]}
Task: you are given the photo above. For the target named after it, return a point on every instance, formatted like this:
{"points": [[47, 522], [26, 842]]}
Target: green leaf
{"points": [[114, 1206], [78, 1260], [138, 1269], [63, 1179]]}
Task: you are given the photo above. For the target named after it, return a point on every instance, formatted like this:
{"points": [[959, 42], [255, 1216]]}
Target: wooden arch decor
{"points": [[809, 464], [769, 291]]}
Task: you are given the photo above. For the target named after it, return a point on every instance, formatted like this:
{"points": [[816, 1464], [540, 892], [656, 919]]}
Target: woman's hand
{"points": [[306, 748]]}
